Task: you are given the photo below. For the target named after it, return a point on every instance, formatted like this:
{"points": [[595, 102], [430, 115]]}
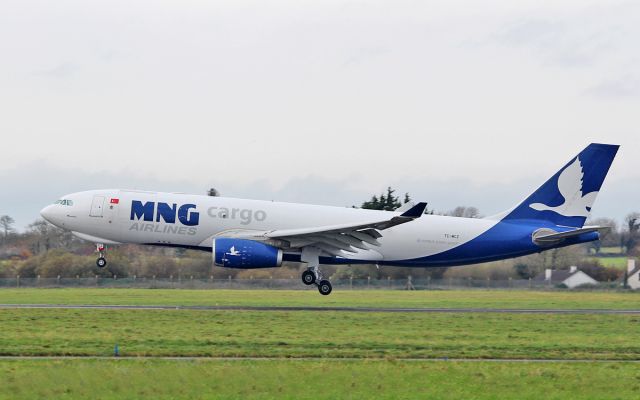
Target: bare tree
{"points": [[464, 212], [6, 223], [48, 236], [633, 225], [609, 237], [471, 212]]}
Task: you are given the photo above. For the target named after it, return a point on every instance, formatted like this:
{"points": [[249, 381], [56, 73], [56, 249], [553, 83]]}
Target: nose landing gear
{"points": [[101, 262]]}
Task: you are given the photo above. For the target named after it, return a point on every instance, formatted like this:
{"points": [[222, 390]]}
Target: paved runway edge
{"points": [[320, 309]]}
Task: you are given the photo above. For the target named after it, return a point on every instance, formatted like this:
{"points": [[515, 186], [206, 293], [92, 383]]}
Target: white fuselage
{"points": [[106, 216]]}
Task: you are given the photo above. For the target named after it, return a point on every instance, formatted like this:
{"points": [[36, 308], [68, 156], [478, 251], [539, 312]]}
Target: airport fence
{"points": [[291, 283]]}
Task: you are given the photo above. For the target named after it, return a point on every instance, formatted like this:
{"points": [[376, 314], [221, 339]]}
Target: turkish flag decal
{"points": [[115, 201]]}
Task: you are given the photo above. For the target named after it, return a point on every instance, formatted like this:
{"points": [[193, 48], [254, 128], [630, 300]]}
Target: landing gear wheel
{"points": [[308, 277], [101, 262], [324, 287]]}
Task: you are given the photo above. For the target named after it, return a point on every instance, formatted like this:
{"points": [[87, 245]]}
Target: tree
{"points": [[387, 202], [45, 236], [464, 212], [594, 269], [6, 223], [608, 238], [633, 225], [524, 271]]}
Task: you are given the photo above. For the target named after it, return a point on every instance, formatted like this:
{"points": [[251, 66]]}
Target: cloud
{"points": [[557, 42], [60, 71], [539, 33], [322, 103], [616, 89], [365, 54]]}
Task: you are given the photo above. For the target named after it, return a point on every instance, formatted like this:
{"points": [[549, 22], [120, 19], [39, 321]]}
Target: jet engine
{"points": [[243, 253]]}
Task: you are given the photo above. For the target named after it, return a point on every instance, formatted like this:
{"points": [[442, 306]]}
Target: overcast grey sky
{"points": [[456, 102]]}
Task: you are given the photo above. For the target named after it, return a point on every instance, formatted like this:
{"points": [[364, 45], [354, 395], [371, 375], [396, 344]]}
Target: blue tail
{"points": [[567, 197]]}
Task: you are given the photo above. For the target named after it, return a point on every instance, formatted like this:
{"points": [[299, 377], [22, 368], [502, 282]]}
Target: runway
{"points": [[323, 309]]}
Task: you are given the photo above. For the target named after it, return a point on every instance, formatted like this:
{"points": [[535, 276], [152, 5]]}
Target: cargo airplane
{"points": [[262, 234]]}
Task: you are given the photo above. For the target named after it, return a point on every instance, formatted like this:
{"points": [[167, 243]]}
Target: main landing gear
{"points": [[308, 277], [312, 275], [101, 262]]}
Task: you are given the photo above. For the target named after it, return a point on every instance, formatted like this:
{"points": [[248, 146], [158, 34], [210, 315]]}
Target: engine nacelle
{"points": [[243, 253]]}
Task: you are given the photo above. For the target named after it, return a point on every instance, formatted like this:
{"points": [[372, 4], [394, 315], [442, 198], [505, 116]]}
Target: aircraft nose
{"points": [[47, 213]]}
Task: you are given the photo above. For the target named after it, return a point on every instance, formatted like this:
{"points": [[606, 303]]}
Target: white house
{"points": [[633, 274], [571, 278]]}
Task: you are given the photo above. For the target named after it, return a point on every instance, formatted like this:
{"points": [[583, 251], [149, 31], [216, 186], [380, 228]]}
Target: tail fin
{"points": [[567, 197]]}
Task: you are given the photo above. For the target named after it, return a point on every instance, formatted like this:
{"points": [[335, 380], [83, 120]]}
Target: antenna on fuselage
{"points": [[213, 192]]}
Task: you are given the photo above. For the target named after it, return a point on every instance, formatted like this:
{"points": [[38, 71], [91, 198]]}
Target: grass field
{"points": [[325, 334], [268, 379], [611, 250], [613, 262], [352, 298], [348, 354]]}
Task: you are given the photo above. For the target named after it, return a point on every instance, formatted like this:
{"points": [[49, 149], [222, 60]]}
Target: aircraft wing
{"points": [[337, 239]]}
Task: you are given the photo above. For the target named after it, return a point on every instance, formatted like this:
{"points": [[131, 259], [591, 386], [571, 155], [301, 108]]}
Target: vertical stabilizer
{"points": [[567, 197]]}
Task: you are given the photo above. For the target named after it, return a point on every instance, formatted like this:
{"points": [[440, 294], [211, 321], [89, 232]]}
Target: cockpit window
{"points": [[64, 202]]}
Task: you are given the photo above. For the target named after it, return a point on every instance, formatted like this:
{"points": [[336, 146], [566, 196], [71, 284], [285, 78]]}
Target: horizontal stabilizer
{"points": [[554, 237]]}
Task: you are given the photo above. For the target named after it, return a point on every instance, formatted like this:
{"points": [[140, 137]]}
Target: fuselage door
{"points": [[96, 206]]}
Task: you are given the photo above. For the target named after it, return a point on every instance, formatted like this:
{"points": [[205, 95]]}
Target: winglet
{"points": [[415, 211], [405, 207]]}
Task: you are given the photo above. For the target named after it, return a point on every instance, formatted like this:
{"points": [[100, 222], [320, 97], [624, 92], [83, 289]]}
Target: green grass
{"points": [[613, 262], [356, 298], [611, 250], [318, 334], [349, 354], [200, 379]]}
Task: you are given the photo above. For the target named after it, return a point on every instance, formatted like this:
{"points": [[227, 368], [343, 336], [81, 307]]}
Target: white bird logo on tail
{"points": [[576, 204]]}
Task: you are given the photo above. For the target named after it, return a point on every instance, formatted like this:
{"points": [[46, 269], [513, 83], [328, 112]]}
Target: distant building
{"points": [[633, 274], [570, 278], [12, 253]]}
